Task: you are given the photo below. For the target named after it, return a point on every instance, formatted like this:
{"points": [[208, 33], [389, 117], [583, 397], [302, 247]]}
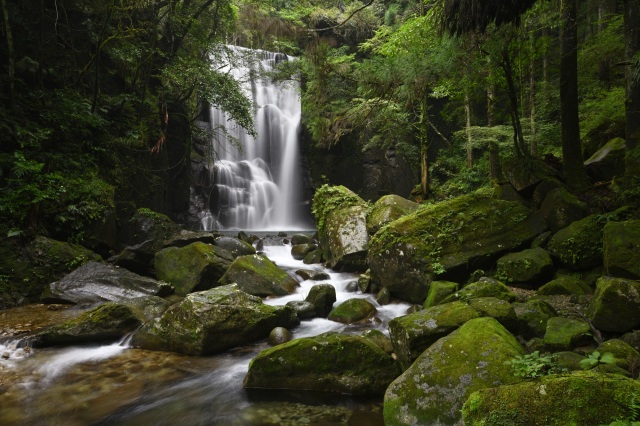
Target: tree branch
{"points": [[333, 27]]}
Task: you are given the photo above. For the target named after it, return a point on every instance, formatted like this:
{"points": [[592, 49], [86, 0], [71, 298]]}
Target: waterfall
{"points": [[255, 181]]}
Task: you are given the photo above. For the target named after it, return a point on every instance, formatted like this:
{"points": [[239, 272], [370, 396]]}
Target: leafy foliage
{"points": [[533, 365]]}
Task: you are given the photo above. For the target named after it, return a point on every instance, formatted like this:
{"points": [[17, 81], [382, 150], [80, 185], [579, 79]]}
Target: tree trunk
{"points": [[467, 113], [518, 137], [424, 147], [632, 104], [12, 58], [572, 161], [532, 98], [495, 170]]}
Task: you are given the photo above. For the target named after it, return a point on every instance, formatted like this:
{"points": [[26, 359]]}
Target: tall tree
{"points": [[572, 161]]}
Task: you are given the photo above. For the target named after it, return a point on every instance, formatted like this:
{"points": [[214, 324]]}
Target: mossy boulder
{"points": [[565, 284], [27, 269], [303, 309], [484, 287], [322, 297], [448, 240], [626, 356], [342, 227], [607, 162], [622, 249], [146, 225], [438, 291], [259, 276], [533, 316], [387, 209], [312, 257], [279, 335], [412, 334], [353, 311], [576, 399], [380, 339], [310, 274], [235, 246], [302, 239], [501, 310], [615, 305], [97, 282], [563, 334], [195, 267], [109, 321], [433, 390], [330, 362], [213, 321], [560, 208], [579, 245], [300, 251], [531, 266]]}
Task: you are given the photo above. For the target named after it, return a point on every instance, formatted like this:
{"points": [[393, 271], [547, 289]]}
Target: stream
{"points": [[114, 384]]}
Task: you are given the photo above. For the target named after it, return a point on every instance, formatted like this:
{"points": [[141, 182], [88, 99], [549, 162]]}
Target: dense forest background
{"points": [[100, 99]]}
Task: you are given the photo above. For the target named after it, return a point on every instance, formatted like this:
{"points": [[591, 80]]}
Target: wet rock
{"points": [[234, 246], [212, 321], [411, 252], [185, 237], [353, 311], [484, 287], [622, 249], [302, 239], [341, 218], [96, 282], [501, 310], [195, 267], [259, 276], [383, 297], [330, 362], [434, 388], [352, 287], [279, 335], [615, 305], [148, 225], [412, 334], [313, 257], [364, 281], [109, 321], [606, 163], [303, 309], [387, 209], [380, 339], [310, 274], [300, 251], [594, 400], [322, 297]]}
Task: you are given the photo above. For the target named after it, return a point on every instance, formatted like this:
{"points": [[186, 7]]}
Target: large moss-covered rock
{"points": [[607, 162], [387, 209], [531, 266], [450, 240], [484, 287], [27, 270], [565, 284], [148, 225], [212, 321], [300, 251], [579, 245], [97, 282], [259, 276], [412, 334], [622, 249], [433, 390], [109, 321], [564, 334], [533, 316], [576, 399], [352, 311], [626, 356], [195, 267], [342, 227], [561, 208], [330, 362], [438, 291], [615, 305], [235, 246]]}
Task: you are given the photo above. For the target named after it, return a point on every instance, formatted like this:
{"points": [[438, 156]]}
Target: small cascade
{"points": [[254, 181]]}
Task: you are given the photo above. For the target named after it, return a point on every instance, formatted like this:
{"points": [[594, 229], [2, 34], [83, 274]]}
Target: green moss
{"points": [[328, 198], [580, 398], [612, 297], [579, 245], [352, 310]]}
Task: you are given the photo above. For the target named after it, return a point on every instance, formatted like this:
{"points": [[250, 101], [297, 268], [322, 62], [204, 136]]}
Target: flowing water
{"points": [[256, 179], [113, 384]]}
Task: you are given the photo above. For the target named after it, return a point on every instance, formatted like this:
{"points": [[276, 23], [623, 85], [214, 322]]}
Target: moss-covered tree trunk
{"points": [[572, 161], [424, 147], [632, 104]]}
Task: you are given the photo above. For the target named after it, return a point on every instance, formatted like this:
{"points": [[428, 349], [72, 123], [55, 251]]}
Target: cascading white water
{"points": [[256, 186]]}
